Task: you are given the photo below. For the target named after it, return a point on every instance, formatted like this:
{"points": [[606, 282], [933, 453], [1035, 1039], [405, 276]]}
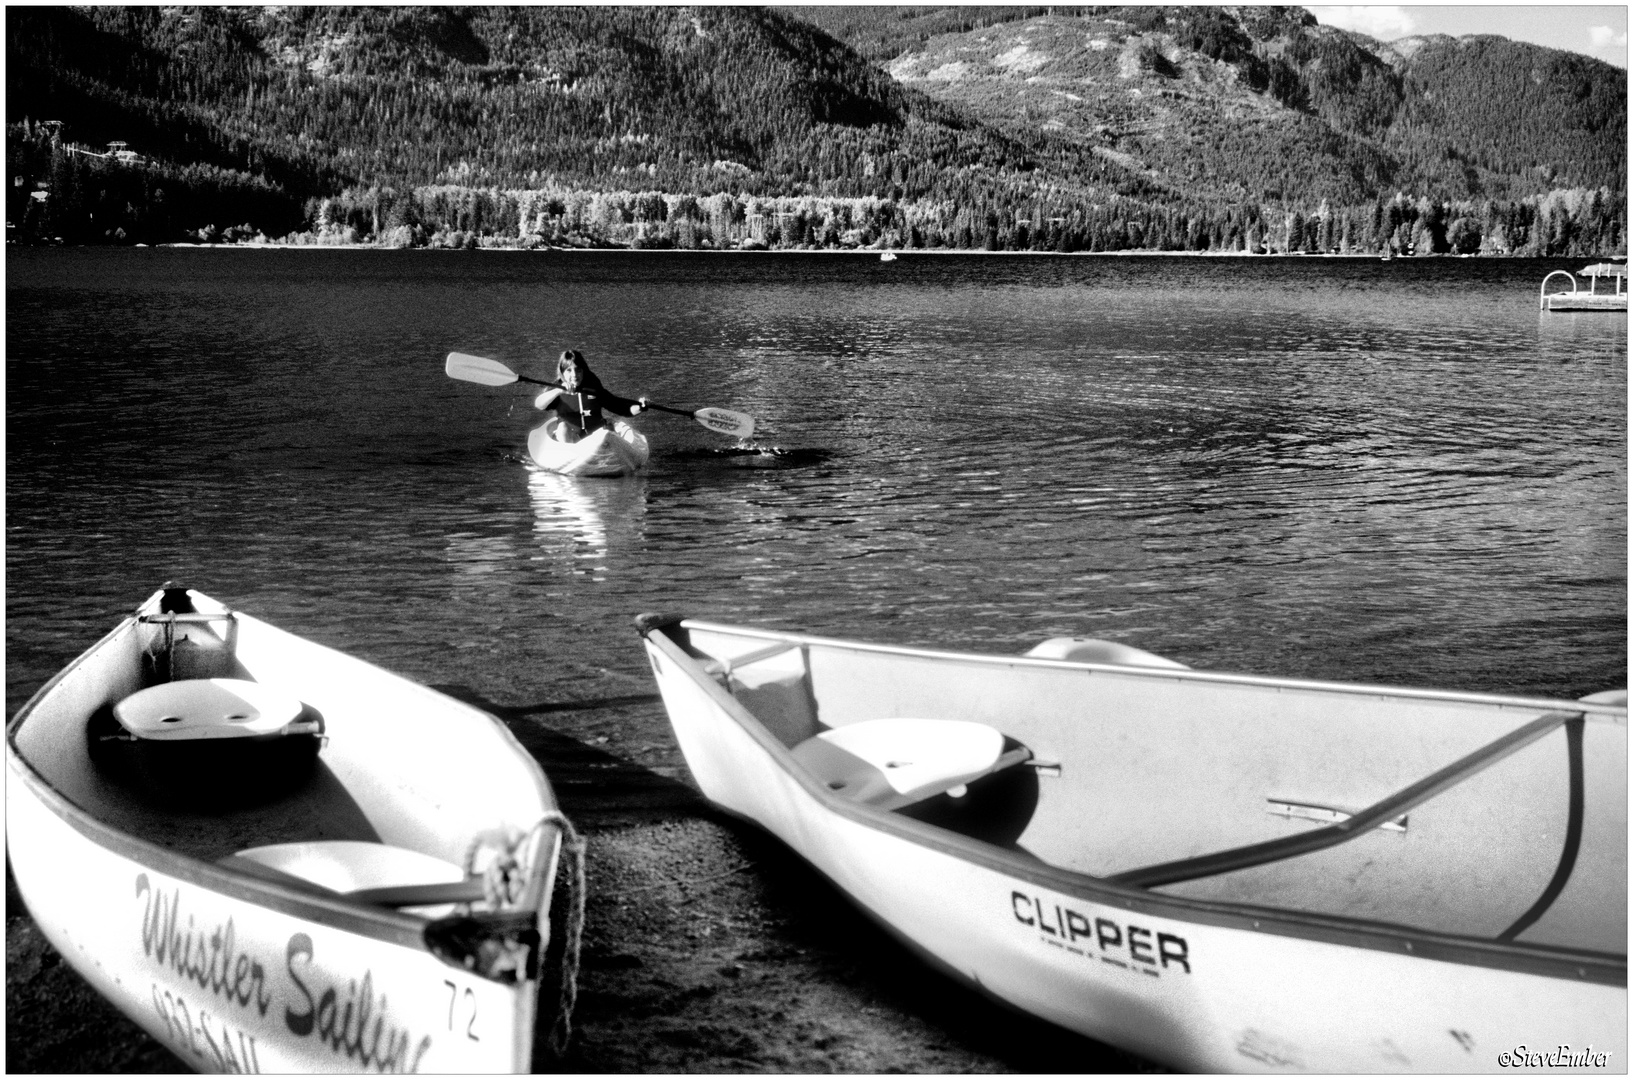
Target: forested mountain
{"points": [[1057, 128], [1209, 96]]}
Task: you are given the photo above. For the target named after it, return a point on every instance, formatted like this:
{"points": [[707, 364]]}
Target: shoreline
{"points": [[872, 253]]}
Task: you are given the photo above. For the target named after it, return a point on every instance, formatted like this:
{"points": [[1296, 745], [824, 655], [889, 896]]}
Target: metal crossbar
{"points": [[1387, 809]]}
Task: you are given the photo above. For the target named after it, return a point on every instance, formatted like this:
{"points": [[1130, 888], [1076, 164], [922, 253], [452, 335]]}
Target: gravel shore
{"points": [[708, 945]]}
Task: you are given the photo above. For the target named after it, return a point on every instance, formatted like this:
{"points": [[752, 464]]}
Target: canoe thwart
{"points": [[185, 617], [893, 762], [185, 645], [721, 669], [1327, 815]]}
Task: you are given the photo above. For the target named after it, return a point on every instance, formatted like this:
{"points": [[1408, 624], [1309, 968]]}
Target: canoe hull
{"points": [[233, 984], [615, 450], [1201, 987], [237, 971]]}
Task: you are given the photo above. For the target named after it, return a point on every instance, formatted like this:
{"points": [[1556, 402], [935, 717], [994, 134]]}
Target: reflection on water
{"points": [[473, 556], [580, 520]]}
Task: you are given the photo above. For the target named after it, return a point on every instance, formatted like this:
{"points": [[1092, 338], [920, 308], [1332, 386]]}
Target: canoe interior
{"points": [[401, 764], [1133, 768]]}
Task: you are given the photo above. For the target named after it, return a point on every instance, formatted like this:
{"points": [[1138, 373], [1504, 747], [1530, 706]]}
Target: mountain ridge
{"points": [[1185, 126]]}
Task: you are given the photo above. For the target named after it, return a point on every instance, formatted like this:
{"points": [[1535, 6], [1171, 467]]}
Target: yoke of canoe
{"points": [[277, 857], [1214, 870]]}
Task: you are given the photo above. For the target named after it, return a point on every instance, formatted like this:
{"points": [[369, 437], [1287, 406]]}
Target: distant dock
{"points": [[1591, 298]]}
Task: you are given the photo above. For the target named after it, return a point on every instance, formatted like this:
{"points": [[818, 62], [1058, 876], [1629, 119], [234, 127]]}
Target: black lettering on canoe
{"points": [[1170, 947], [163, 1010], [1139, 945], [326, 1018], [1042, 924], [212, 960], [299, 1023], [1168, 950], [419, 1052]]}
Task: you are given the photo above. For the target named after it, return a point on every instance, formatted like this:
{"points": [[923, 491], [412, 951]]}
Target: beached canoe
{"points": [[276, 858], [1220, 872], [614, 450]]}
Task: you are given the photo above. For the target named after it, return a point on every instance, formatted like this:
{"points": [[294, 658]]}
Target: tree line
{"points": [[100, 199], [1567, 222]]}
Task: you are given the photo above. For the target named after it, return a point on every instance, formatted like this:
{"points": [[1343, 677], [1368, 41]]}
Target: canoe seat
{"points": [[363, 870], [895, 761], [196, 709], [209, 744], [1099, 651]]}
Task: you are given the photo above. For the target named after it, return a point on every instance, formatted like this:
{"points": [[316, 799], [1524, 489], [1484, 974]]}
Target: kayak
{"points": [[1219, 872], [277, 858], [614, 450]]}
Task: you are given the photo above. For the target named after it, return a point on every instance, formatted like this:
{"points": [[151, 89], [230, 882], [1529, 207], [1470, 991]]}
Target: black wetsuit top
{"points": [[584, 405]]}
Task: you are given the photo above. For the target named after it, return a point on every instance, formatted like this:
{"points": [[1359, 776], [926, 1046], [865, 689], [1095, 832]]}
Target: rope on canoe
{"points": [[561, 1031], [504, 882]]}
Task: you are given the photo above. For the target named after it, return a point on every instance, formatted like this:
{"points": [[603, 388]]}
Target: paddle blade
{"points": [[478, 369], [726, 422]]}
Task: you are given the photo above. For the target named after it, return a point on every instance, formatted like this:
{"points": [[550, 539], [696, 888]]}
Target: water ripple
{"points": [[1330, 468]]}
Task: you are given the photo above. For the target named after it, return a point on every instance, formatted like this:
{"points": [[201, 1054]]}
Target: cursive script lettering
{"points": [[1523, 1057], [341, 1020], [211, 960]]}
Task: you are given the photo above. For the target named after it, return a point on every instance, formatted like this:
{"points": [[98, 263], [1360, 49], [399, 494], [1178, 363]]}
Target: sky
{"points": [[1599, 31]]}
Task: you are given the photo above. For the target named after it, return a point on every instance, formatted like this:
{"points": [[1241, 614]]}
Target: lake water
{"points": [[1351, 469]]}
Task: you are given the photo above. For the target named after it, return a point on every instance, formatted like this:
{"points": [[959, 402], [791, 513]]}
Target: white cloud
{"points": [[1384, 22], [1604, 37]]}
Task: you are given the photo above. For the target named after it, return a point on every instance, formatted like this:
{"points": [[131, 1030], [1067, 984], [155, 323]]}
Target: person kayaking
{"points": [[581, 399]]}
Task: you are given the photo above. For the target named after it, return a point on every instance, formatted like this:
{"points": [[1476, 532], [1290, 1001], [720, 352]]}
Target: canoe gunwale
{"points": [[1594, 711], [1544, 960]]}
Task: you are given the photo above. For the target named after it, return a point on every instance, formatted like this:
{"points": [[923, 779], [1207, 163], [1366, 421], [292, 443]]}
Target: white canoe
{"points": [[382, 905], [614, 450], [1220, 872]]}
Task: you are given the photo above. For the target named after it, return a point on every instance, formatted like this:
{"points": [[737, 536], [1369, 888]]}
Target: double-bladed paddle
{"points": [[478, 369]]}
